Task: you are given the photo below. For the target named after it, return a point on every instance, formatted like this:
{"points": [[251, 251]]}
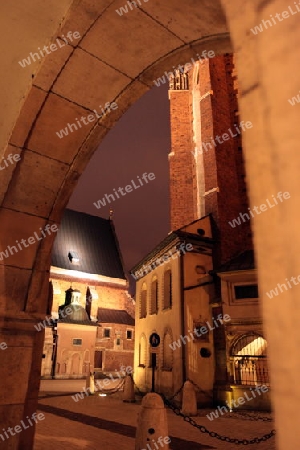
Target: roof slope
{"points": [[121, 316], [243, 261], [93, 240]]}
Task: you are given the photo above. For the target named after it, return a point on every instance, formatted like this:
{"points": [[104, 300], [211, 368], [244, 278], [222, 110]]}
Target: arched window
{"points": [[249, 357], [167, 352], [142, 351], [154, 296], [168, 289], [88, 302], [143, 301]]}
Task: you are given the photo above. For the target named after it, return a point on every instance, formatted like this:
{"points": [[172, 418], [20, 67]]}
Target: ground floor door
{"points": [[98, 359]]}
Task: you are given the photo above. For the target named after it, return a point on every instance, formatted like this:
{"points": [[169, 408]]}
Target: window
{"points": [[77, 341], [246, 291], [168, 289], [128, 334], [106, 332], [56, 287], [88, 301], [118, 342], [142, 351], [154, 296], [167, 352], [73, 257], [143, 302]]}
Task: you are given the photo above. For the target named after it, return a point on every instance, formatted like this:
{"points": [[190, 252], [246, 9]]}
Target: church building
{"points": [[92, 315]]}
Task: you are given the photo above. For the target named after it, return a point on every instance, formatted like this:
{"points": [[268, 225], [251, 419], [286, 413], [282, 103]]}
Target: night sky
{"points": [[138, 143]]}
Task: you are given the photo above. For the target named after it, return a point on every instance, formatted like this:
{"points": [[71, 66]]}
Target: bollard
{"points": [[189, 400], [92, 383], [152, 425], [87, 383], [128, 395]]}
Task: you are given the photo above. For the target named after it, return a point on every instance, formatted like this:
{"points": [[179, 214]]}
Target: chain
{"points": [[136, 386], [112, 390], [250, 416], [176, 393], [212, 434], [200, 389]]}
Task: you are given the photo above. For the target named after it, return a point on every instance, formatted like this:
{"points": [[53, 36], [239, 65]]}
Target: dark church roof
{"points": [[90, 238], [106, 315]]}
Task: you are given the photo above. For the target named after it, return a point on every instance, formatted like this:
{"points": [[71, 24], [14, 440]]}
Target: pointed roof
{"points": [[243, 261], [92, 240]]}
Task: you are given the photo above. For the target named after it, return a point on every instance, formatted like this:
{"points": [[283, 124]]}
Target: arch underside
{"points": [[116, 60]]}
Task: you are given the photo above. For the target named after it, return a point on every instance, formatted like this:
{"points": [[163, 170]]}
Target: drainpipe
{"points": [[183, 350]]}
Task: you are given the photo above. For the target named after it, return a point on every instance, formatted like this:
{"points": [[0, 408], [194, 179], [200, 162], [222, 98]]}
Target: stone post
{"points": [[152, 425], [189, 400]]}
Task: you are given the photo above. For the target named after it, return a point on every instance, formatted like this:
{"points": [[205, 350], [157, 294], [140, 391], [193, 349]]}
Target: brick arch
{"points": [[35, 190]]}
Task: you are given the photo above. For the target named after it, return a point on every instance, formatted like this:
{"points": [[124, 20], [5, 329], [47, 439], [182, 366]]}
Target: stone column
{"points": [[23, 304], [20, 378], [268, 70]]}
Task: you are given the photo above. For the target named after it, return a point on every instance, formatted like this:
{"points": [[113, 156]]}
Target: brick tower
{"points": [[206, 161]]}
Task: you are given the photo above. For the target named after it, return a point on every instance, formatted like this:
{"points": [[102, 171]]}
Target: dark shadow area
{"points": [[119, 428]]}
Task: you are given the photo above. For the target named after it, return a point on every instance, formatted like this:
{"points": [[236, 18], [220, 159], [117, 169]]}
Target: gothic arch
{"points": [[142, 351], [168, 353], [38, 106]]}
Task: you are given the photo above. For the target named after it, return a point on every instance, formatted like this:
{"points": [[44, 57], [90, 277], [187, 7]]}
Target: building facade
{"points": [[87, 279], [214, 288]]}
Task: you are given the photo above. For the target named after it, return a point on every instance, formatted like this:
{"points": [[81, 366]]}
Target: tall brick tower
{"points": [[206, 161]]}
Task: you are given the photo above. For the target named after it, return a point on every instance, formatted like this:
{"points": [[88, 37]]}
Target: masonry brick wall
{"points": [[182, 192], [223, 163], [224, 175], [114, 361], [112, 297]]}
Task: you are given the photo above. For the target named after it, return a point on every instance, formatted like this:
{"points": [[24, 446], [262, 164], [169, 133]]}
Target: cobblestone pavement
{"points": [[107, 423]]}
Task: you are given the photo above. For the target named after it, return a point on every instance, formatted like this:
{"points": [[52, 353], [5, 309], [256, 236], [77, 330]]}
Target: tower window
{"points": [[73, 257]]}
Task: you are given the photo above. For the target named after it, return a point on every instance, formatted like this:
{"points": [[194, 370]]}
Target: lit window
{"points": [[77, 341], [142, 351]]}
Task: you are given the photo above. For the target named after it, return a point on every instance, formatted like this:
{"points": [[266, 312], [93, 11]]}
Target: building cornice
{"points": [[91, 279]]}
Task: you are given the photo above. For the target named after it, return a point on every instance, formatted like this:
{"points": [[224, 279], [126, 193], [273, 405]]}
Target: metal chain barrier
{"points": [[200, 389], [213, 434], [136, 386], [176, 393], [247, 416], [112, 390]]}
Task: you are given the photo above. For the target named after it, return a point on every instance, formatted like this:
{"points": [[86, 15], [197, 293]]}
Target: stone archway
{"points": [[135, 50]]}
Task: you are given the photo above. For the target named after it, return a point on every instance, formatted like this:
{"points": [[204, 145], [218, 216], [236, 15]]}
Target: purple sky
{"points": [[139, 142]]}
